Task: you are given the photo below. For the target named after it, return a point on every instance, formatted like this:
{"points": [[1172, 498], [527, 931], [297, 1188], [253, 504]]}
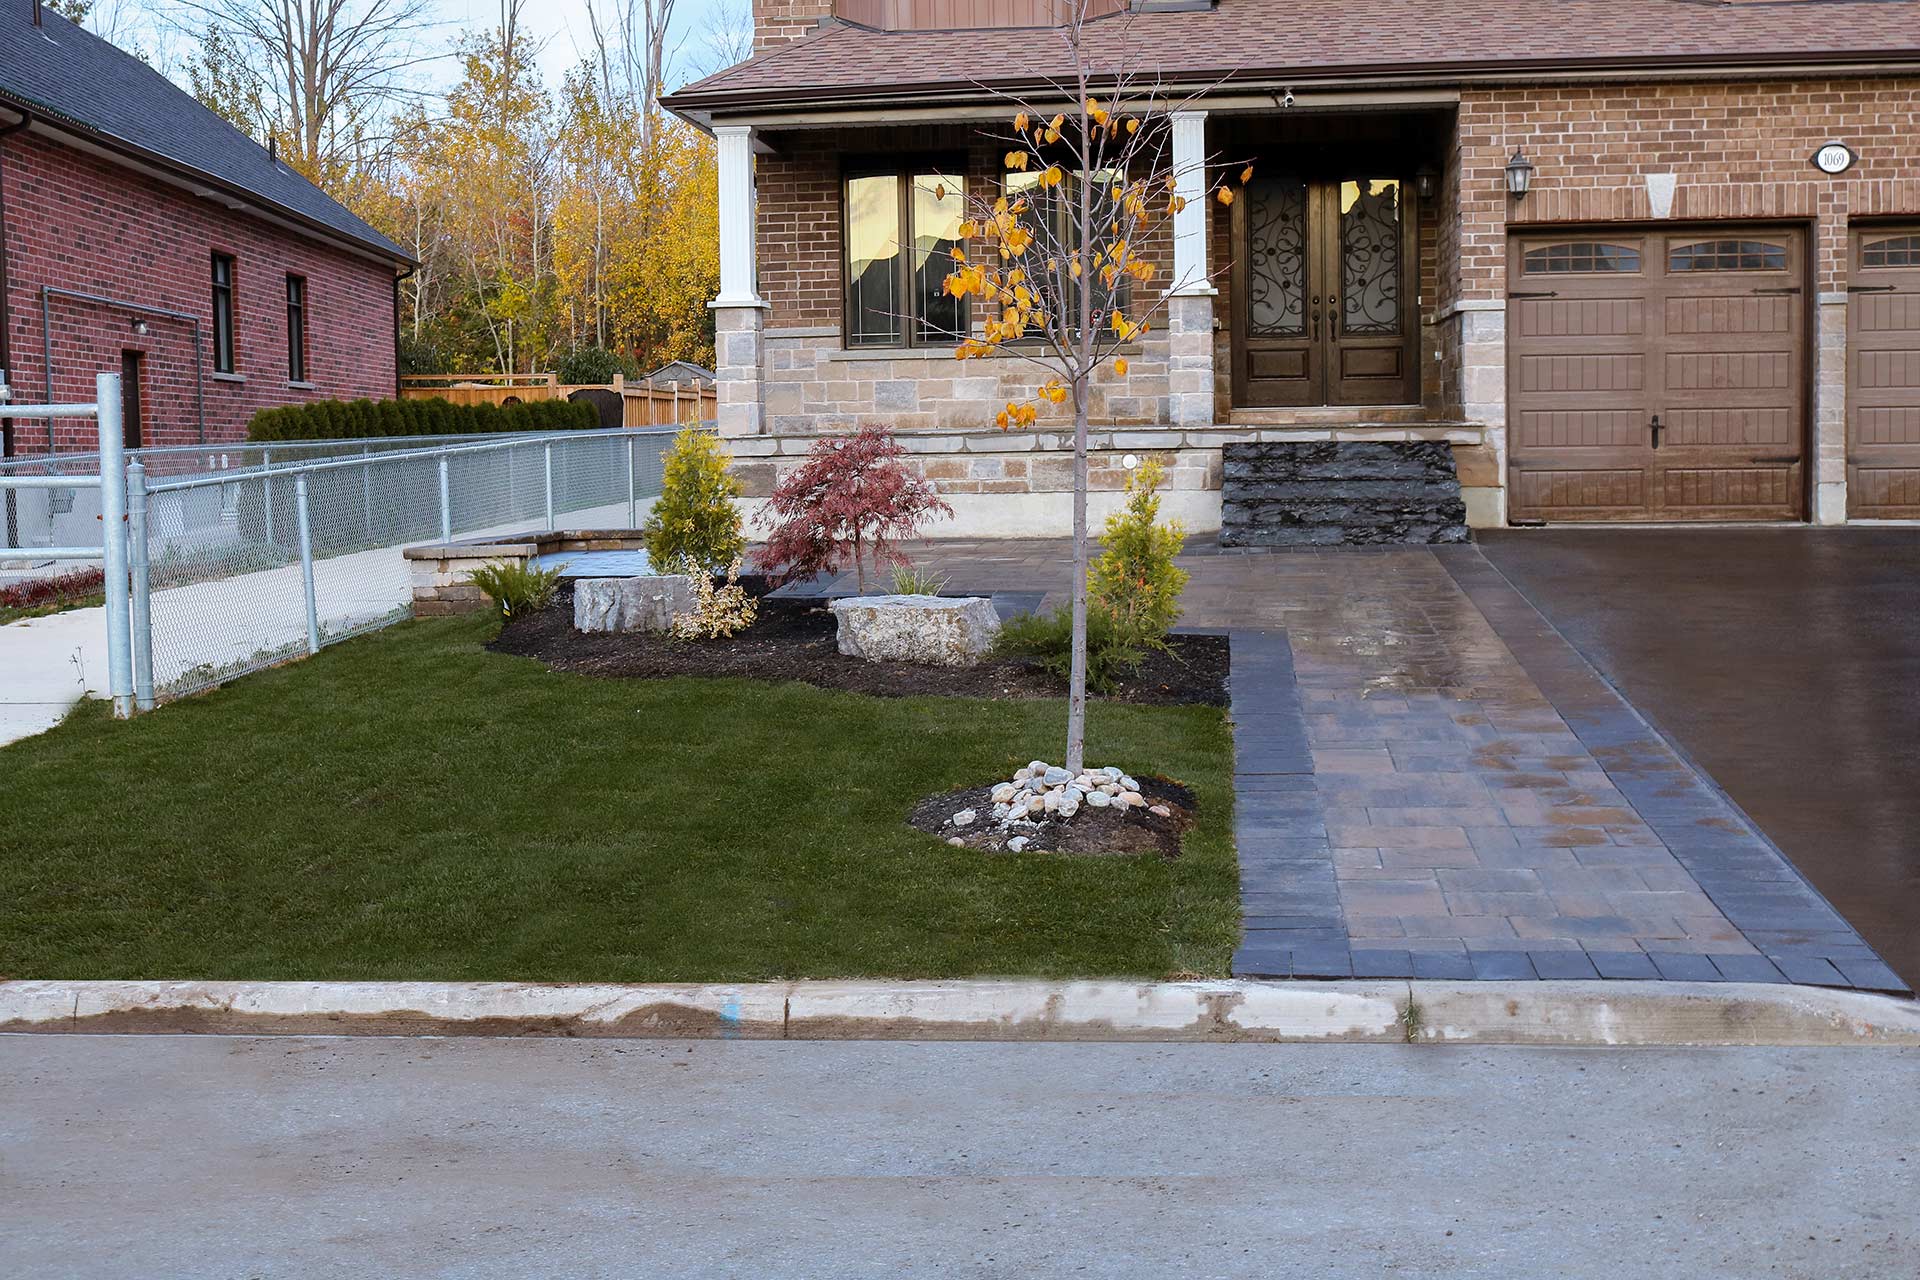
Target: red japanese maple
{"points": [[852, 499]]}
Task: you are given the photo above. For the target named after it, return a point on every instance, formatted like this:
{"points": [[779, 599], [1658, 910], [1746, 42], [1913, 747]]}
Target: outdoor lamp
{"points": [[1423, 181], [1519, 175]]}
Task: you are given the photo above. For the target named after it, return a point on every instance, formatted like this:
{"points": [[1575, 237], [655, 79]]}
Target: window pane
{"points": [[1568, 259], [1895, 251], [296, 329], [939, 206], [1370, 256], [222, 313], [1728, 255], [873, 261]]}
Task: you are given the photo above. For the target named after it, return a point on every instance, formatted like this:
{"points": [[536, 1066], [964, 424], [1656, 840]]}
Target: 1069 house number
{"points": [[1835, 157]]}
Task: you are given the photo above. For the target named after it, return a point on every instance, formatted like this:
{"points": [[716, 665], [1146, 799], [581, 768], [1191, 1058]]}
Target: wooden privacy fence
{"points": [[644, 402]]}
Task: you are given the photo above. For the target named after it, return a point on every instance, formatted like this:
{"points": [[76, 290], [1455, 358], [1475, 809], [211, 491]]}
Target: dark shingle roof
{"points": [[72, 77], [1326, 39]]}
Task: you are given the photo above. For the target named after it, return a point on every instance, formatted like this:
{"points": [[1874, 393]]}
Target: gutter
{"points": [[701, 108]]}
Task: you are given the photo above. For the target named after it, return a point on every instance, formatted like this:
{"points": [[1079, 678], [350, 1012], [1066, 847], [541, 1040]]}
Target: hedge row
{"points": [[365, 419]]}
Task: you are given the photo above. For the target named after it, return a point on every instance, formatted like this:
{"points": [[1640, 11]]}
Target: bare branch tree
{"points": [[1060, 259], [328, 71]]}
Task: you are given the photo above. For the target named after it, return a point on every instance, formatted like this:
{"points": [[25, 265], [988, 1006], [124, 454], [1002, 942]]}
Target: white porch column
{"points": [[739, 311], [1190, 223], [735, 175], [1190, 402]]}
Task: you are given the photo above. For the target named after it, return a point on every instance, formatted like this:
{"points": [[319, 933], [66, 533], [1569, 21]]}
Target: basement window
{"points": [[222, 313]]}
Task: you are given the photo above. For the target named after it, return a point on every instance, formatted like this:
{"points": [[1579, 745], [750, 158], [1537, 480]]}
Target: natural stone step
{"points": [[1323, 493]]}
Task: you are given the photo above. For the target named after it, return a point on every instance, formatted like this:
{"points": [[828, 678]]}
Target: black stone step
{"points": [[1328, 493]]}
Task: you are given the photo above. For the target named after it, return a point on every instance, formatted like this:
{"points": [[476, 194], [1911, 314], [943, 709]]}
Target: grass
{"points": [[15, 612], [408, 805]]}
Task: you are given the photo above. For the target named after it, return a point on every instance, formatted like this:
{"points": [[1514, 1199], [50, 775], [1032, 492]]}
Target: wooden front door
{"points": [[1883, 375], [1323, 279], [1657, 375]]}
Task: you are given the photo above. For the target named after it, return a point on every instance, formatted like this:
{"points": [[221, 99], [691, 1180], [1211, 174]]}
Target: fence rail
{"points": [[229, 570], [643, 402]]}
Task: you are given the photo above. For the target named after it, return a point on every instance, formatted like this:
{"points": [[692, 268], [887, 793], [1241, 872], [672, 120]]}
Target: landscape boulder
{"points": [[936, 630], [631, 604]]}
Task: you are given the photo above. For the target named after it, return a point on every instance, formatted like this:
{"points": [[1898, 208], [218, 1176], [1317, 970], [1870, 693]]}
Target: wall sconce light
{"points": [[1519, 175], [1423, 181], [140, 328]]}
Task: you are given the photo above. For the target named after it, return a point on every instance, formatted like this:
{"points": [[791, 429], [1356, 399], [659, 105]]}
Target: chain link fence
{"points": [[234, 554]]}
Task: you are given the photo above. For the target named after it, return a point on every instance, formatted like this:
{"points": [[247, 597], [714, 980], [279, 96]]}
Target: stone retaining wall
{"points": [[439, 571]]}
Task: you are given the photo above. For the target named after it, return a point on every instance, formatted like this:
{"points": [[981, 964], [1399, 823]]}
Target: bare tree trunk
{"points": [[1077, 676]]}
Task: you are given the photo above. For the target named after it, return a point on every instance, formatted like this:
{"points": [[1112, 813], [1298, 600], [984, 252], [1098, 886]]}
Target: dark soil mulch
{"points": [[1095, 832], [794, 640]]}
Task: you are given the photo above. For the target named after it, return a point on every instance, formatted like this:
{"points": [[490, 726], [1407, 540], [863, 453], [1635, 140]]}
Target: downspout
{"points": [[398, 386], [6, 308]]}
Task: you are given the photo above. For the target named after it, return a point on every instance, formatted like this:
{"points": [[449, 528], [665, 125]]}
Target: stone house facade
{"points": [[1632, 261]]}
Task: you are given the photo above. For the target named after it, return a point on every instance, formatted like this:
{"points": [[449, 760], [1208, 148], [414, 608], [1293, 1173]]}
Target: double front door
{"points": [[1324, 293]]}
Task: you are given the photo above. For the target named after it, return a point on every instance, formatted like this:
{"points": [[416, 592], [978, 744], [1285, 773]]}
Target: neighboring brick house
{"points": [[130, 215], [1682, 317]]}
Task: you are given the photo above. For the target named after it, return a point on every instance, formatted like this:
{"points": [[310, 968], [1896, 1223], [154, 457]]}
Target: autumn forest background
{"points": [[560, 226]]}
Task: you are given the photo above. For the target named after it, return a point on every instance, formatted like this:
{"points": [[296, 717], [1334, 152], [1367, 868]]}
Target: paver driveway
{"points": [[1787, 663]]}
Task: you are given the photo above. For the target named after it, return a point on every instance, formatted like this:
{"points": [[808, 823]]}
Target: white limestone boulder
{"points": [[936, 630], [631, 604]]}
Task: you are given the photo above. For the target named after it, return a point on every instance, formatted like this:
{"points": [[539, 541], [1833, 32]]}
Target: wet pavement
{"points": [[1431, 782], [1786, 663]]}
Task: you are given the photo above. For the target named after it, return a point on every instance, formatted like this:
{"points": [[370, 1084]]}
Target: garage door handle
{"points": [[1785, 457], [1549, 293], [1656, 428], [1870, 288], [1793, 289]]}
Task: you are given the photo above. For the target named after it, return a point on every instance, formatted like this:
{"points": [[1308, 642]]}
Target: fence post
{"points": [[138, 566], [446, 506], [549, 451], [366, 489], [306, 561], [632, 505], [266, 484], [113, 541]]}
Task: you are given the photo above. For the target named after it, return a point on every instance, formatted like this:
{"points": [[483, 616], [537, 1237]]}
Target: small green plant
{"points": [[1047, 638], [517, 586], [1135, 581], [912, 580], [1411, 1019], [718, 610], [694, 516]]}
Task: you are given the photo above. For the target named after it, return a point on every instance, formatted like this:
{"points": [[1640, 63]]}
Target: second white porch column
{"points": [[1190, 222], [739, 311], [1190, 382]]}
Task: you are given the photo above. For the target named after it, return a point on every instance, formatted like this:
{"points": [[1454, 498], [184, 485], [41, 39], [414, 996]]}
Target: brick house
{"points": [[1632, 260], [142, 234]]}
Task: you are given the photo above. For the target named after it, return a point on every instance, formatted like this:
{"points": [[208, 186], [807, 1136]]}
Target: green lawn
{"points": [[408, 805]]}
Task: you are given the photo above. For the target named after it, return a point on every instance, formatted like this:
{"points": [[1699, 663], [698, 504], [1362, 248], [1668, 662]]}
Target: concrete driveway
{"points": [[1786, 662]]}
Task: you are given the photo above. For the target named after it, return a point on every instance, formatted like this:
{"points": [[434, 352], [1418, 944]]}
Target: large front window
{"points": [[901, 226]]}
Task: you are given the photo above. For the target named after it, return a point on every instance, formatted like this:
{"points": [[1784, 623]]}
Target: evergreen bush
{"points": [[363, 419], [1135, 581], [694, 517]]}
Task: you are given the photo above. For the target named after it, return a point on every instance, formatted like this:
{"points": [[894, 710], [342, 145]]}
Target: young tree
{"points": [[1059, 261], [852, 499]]}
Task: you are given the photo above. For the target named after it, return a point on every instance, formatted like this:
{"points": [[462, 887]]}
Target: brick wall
{"points": [[1739, 150], [775, 22], [76, 222]]}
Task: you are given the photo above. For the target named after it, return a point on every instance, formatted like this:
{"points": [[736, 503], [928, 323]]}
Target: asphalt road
{"points": [[1786, 662], [211, 1157]]}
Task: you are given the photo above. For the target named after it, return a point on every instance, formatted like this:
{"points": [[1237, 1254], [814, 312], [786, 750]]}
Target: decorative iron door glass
{"points": [[1324, 277]]}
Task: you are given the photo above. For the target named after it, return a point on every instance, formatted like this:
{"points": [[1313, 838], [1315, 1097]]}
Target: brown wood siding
{"points": [[1716, 356], [1883, 374]]}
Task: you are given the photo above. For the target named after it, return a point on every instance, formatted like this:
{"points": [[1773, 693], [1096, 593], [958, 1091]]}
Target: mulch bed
{"points": [[1095, 832], [794, 640]]}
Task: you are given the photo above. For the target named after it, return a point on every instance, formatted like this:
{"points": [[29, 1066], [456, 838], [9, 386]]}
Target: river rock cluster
{"points": [[1042, 792]]}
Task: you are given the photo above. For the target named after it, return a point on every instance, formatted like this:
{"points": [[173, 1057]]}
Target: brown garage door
{"points": [[1657, 375], [1883, 375]]}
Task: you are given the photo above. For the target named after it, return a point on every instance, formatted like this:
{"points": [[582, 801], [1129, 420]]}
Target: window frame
{"points": [[1906, 244], [225, 328], [1704, 255], [1544, 267], [1118, 295], [903, 168], [297, 370]]}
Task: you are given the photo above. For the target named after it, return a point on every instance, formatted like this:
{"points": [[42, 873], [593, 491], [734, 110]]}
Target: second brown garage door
{"points": [[1883, 375], [1657, 375]]}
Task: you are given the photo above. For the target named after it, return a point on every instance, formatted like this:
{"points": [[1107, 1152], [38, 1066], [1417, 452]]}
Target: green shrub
{"points": [[516, 585], [362, 419], [694, 516], [1134, 580], [1047, 638], [594, 367]]}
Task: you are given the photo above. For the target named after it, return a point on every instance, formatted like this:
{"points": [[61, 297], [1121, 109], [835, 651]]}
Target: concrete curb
{"points": [[1538, 1013]]}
